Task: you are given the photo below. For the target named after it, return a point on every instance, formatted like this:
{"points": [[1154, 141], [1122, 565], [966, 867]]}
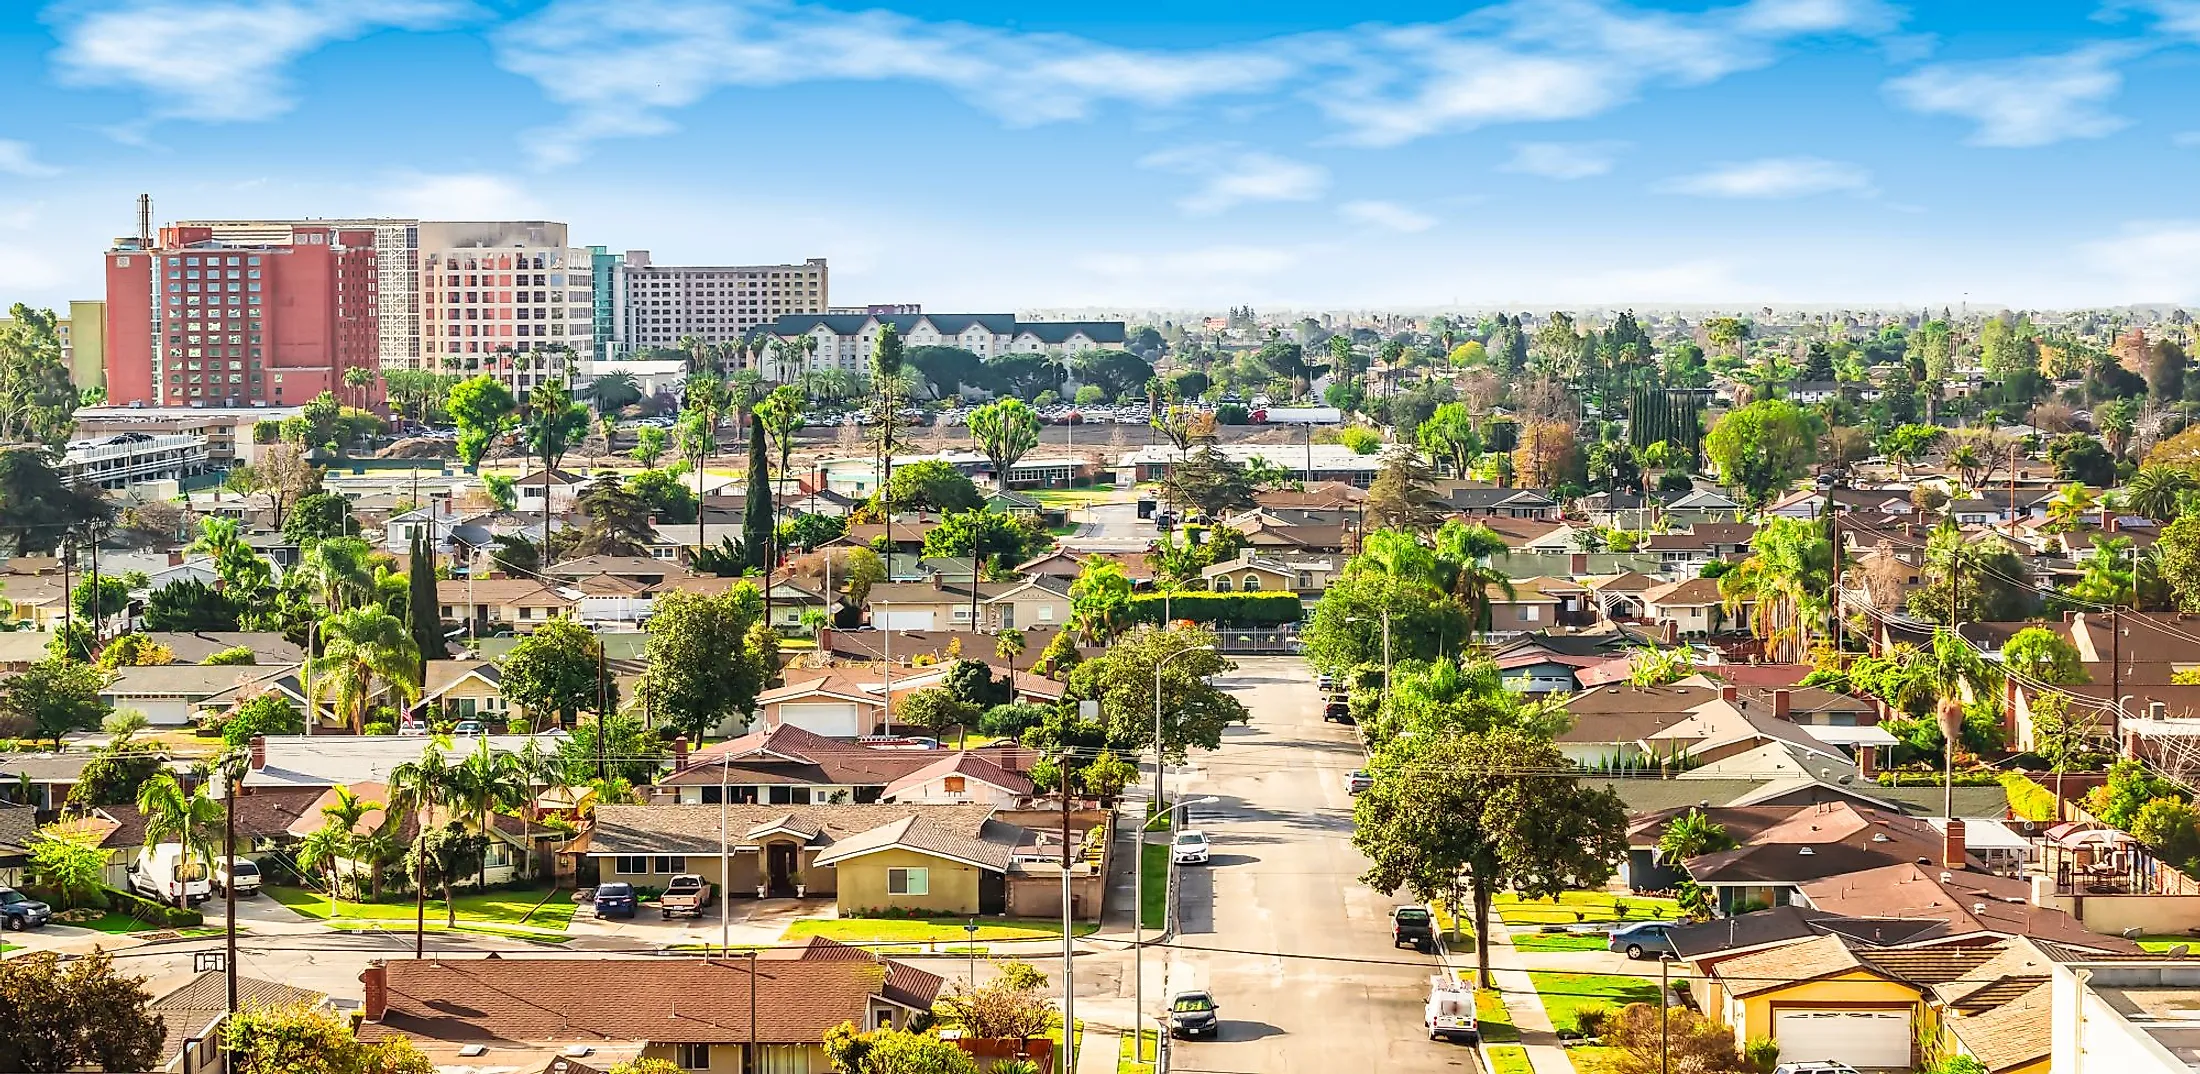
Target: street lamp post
{"points": [[1386, 643]]}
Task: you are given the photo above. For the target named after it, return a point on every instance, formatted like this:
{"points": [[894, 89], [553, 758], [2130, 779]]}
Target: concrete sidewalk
{"points": [[1521, 1001]]}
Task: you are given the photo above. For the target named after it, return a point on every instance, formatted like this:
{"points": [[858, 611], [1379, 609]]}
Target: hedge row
{"points": [[2027, 798], [1933, 779], [1232, 609], [153, 913]]}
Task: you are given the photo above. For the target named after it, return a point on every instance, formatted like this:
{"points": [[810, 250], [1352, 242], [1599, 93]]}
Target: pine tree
{"points": [[426, 619], [756, 513]]}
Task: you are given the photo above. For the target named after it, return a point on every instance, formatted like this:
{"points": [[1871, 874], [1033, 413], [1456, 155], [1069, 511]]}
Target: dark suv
{"points": [[21, 912], [616, 900], [1413, 925]]}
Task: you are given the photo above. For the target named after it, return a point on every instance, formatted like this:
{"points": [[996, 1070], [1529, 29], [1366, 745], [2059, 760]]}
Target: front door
{"points": [[779, 864]]}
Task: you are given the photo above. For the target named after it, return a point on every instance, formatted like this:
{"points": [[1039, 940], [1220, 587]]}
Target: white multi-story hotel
{"points": [[844, 340], [508, 298], [658, 305]]}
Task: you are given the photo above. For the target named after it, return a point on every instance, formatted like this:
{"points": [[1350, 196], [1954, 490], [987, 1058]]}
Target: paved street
{"points": [[1277, 925]]}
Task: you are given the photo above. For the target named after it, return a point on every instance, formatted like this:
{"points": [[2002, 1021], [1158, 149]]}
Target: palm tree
{"points": [[1786, 580], [539, 770], [1008, 645], [345, 813], [358, 378], [487, 779], [1692, 834], [339, 568], [2068, 509], [419, 788], [2155, 490], [1464, 570], [363, 649], [320, 850], [172, 814]]}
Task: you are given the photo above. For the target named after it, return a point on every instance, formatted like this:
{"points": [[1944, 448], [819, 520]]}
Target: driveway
{"points": [[749, 922], [1295, 949]]}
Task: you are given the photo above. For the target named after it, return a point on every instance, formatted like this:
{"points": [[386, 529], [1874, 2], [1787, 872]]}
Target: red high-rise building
{"points": [[196, 321]]}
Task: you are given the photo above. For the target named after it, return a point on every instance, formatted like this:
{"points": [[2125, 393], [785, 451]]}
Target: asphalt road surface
{"points": [[1295, 949]]}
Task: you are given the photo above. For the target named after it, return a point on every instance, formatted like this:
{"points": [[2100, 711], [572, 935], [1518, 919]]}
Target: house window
{"points": [[692, 1056], [908, 881], [674, 864], [1222, 583], [1526, 613], [952, 784], [630, 864], [1046, 613]]}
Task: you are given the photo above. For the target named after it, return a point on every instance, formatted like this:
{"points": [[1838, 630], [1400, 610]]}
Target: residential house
{"points": [[1068, 564], [1695, 608], [193, 647], [558, 489], [961, 778], [464, 690], [1252, 572], [1684, 553], [692, 1012], [265, 819], [171, 695], [1525, 610], [787, 765], [1620, 596], [513, 849], [193, 1013], [1822, 998], [1784, 848], [947, 859], [37, 599], [831, 702], [324, 761], [1475, 500], [500, 604], [901, 646], [1275, 540], [18, 827], [50, 777], [1041, 600], [19, 649]]}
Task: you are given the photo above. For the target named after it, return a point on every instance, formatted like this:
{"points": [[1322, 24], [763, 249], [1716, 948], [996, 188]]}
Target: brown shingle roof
{"points": [[1932, 965], [194, 1006], [1779, 967], [2011, 1035], [694, 829], [665, 1000]]}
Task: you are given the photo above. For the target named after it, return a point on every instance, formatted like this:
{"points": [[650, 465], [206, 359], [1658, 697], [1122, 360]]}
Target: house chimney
{"points": [[1951, 847], [1578, 563], [259, 752], [377, 982], [1783, 704], [937, 583], [679, 753], [1727, 693], [175, 559]]}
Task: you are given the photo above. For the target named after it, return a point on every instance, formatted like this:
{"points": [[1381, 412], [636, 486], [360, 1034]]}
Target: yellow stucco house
{"points": [[1818, 1000]]}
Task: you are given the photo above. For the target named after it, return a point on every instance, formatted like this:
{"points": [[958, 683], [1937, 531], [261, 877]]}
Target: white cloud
{"points": [[1510, 62], [1231, 176], [1773, 177], [18, 158], [220, 60], [2032, 101], [454, 197], [2150, 261], [2185, 139], [1388, 215], [1563, 160]]}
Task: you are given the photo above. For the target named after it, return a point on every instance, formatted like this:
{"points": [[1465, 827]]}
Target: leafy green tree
{"points": [[935, 708], [1484, 806], [2169, 827], [424, 615], [1100, 600], [51, 698], [2044, 656], [304, 1039], [1209, 482], [320, 516], [1993, 584], [1692, 834], [37, 508], [37, 400], [1450, 436], [552, 672], [234, 656], [630, 751], [1905, 444], [649, 445], [972, 682], [1000, 537], [1762, 448], [1122, 680], [757, 508], [483, 408], [75, 1015], [2129, 788], [614, 522], [707, 658], [931, 485], [70, 862], [1006, 431], [807, 531], [1115, 373], [667, 499], [1784, 586], [1402, 495], [266, 713], [188, 604]]}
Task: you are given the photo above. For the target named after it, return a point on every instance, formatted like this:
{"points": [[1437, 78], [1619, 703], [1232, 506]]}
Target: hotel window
{"points": [[908, 881]]}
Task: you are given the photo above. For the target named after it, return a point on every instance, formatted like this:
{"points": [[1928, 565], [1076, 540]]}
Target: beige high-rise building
{"points": [[658, 305], [505, 297], [84, 343]]}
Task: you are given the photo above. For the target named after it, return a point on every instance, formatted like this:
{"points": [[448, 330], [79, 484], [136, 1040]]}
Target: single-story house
{"points": [[491, 603]]}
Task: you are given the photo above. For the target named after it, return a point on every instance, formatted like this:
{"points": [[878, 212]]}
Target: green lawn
{"points": [[112, 922], [1508, 1059], [511, 906], [1563, 994], [1578, 906], [938, 930], [1126, 1061], [1079, 497], [435, 924], [1153, 908], [1557, 941], [1591, 1059], [1490, 1015]]}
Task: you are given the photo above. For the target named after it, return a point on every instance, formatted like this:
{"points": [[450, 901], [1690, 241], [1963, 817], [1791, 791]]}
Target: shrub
{"points": [[1012, 720], [1591, 1020], [153, 913], [2027, 798], [1232, 609], [1761, 1054], [380, 728]]}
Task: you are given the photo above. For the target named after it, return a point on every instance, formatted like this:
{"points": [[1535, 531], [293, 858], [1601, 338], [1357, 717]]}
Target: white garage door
{"points": [[907, 620], [1858, 1038], [833, 720]]}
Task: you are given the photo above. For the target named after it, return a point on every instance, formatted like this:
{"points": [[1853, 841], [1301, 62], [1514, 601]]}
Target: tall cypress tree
{"points": [[756, 506], [422, 608]]}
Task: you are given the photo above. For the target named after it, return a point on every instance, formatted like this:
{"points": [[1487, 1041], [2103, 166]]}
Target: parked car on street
{"points": [[469, 729], [686, 894], [1359, 781], [1189, 847], [1413, 926], [1337, 711], [1194, 1014], [615, 900], [1642, 940], [1821, 1066], [19, 911], [1449, 1013]]}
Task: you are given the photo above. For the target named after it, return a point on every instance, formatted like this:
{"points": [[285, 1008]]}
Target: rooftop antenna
{"points": [[145, 221]]}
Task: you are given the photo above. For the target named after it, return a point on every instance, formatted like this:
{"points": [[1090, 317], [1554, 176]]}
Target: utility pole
{"points": [[229, 778], [753, 1056], [603, 755], [1069, 968]]}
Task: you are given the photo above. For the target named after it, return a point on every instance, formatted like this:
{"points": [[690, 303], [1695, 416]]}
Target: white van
{"points": [[163, 874]]}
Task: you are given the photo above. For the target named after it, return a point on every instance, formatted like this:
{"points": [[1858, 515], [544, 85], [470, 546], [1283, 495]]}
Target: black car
{"points": [[21, 912], [1337, 712], [1193, 1014], [1413, 926], [616, 900]]}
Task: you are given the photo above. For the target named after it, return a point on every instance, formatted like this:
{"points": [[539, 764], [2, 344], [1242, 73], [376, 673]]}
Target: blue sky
{"points": [[1138, 154]]}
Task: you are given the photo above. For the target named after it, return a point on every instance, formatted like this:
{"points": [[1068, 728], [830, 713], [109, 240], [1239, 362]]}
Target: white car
{"points": [[1189, 848]]}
